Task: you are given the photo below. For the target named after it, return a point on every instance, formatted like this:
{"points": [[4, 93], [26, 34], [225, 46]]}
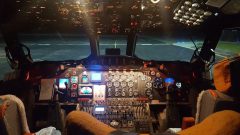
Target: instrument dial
{"points": [[123, 84], [153, 73], [123, 77], [109, 84], [148, 84], [116, 84], [116, 77], [148, 92], [130, 83]]}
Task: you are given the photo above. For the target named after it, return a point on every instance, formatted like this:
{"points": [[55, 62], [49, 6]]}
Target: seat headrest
{"points": [[226, 75]]}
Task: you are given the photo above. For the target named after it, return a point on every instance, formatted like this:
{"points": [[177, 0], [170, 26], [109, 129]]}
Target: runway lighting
{"points": [[155, 1]]}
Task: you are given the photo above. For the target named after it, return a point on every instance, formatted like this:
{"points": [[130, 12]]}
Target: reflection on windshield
{"points": [[57, 47], [166, 48]]}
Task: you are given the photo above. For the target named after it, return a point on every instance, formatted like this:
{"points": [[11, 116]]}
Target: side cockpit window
{"points": [[229, 44], [4, 66]]}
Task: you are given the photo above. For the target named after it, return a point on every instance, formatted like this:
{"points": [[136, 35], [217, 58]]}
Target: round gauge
{"points": [[109, 84], [150, 96], [130, 83], [158, 74], [149, 78], [130, 94], [110, 77], [130, 90], [116, 77], [148, 84], [116, 94], [123, 84], [131, 77], [123, 77], [116, 84], [148, 92], [153, 73], [135, 93], [123, 93]]}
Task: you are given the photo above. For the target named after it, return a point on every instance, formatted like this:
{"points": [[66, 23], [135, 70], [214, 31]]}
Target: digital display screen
{"points": [[85, 79], [99, 109], [74, 79], [169, 80], [96, 77], [62, 82], [85, 91]]}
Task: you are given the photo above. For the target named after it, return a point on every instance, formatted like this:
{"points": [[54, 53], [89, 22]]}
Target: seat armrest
{"points": [[187, 122]]}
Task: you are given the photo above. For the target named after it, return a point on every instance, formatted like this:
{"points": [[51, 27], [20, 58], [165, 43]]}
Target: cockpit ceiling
{"points": [[113, 16]]}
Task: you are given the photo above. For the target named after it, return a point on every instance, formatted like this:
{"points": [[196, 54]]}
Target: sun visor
{"points": [[233, 7], [226, 75], [216, 3], [226, 6]]}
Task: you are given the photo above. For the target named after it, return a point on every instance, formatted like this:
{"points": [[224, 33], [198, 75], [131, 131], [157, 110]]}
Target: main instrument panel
{"points": [[118, 96]]}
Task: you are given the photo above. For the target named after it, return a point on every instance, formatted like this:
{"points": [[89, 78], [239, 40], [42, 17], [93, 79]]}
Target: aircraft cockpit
{"points": [[109, 67]]}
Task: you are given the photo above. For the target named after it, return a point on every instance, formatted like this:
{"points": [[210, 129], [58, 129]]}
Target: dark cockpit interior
{"points": [[119, 67]]}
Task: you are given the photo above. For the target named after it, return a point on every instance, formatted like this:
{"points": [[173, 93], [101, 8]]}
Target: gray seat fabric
{"points": [[10, 124], [208, 104]]}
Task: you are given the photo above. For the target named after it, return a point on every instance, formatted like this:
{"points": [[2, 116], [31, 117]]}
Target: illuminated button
{"points": [[179, 85], [74, 86]]}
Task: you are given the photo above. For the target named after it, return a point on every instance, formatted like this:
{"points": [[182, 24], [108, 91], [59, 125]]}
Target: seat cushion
{"points": [[220, 123]]}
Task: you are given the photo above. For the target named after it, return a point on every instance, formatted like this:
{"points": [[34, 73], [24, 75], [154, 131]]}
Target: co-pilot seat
{"points": [[226, 75]]}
